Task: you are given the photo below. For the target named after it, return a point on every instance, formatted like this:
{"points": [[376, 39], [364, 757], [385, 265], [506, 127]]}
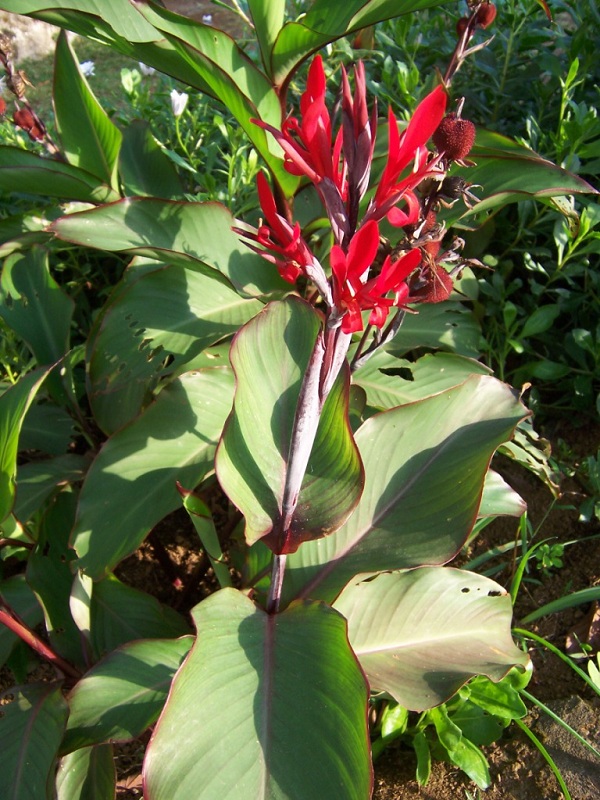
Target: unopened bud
{"points": [[461, 26], [486, 14], [454, 137]]}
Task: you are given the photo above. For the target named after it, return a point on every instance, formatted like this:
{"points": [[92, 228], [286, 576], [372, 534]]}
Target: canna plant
{"points": [[261, 363]]}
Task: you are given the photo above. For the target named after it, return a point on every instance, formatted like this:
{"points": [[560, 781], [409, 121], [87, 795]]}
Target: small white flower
{"points": [[178, 102], [145, 69], [207, 18], [87, 68]]}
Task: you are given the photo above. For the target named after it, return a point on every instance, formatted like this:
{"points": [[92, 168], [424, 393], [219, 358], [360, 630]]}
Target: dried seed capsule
{"points": [[454, 137], [485, 15]]}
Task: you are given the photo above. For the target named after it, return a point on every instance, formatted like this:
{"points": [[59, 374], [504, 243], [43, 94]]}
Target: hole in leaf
{"points": [[401, 372]]}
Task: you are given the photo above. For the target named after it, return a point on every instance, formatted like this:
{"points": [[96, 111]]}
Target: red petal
{"points": [[392, 274], [428, 115], [363, 249]]}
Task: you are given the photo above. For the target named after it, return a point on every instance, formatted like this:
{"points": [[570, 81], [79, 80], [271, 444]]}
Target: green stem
{"points": [[534, 637], [559, 721], [529, 733]]}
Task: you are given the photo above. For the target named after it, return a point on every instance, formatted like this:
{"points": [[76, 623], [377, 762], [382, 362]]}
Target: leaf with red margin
{"points": [[264, 706], [270, 356]]}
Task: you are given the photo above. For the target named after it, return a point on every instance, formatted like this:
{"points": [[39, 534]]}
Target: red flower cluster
{"points": [[340, 166]]}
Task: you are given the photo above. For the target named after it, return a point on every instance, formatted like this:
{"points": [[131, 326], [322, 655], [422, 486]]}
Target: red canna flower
{"points": [[353, 293], [281, 237], [307, 146], [402, 150]]}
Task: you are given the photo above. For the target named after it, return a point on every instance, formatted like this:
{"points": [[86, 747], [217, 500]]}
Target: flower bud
{"points": [[461, 26], [486, 14], [454, 137]]}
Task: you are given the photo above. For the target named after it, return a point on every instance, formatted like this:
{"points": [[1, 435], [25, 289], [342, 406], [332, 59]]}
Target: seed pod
{"points": [[454, 137], [486, 14], [31, 124]]}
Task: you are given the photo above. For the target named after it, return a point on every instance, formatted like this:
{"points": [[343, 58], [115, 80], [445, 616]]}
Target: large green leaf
{"points": [[123, 693], [120, 614], [270, 356], [36, 308], [30, 733], [327, 20], [37, 480], [172, 313], [122, 15], [425, 465], [17, 595], [13, 407], [419, 635], [144, 167], [131, 484], [499, 498], [447, 326], [509, 172], [229, 75], [390, 381], [282, 692], [194, 235], [87, 774], [268, 18], [89, 139], [22, 171]]}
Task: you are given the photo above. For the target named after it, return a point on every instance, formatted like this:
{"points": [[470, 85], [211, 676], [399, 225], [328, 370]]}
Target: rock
{"points": [[31, 38]]}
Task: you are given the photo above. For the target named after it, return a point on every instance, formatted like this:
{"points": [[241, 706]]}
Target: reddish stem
{"points": [[24, 632]]}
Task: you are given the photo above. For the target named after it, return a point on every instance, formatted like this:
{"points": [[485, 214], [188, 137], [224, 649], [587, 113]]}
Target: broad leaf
{"points": [[270, 357], [22, 171], [13, 407], [123, 693], [390, 381], [21, 231], [194, 235], [144, 168], [47, 428], [268, 17], [120, 614], [37, 480], [36, 308], [447, 326], [419, 635], [172, 313], [499, 498], [270, 689], [327, 20], [17, 595], [509, 172], [30, 733], [425, 466], [120, 14], [89, 139], [131, 484], [87, 774]]}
